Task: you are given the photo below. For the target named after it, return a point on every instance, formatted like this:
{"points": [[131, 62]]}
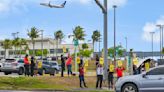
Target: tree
{"points": [[16, 44], [119, 51], [23, 42], [85, 46], [58, 37], [79, 33], [95, 37], [7, 44], [33, 33]]}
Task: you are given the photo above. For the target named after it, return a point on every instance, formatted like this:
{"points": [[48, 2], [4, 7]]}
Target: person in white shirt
{"points": [[99, 76]]}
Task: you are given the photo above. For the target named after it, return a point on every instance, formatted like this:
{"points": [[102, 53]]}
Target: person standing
{"points": [[97, 60], [62, 66], [99, 76], [26, 65], [119, 71], [110, 76], [69, 65], [32, 66], [81, 76]]}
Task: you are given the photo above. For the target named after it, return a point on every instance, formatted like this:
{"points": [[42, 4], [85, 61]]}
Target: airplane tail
{"points": [[64, 3]]}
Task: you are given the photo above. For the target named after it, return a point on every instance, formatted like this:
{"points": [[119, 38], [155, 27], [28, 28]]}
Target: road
{"points": [[10, 75]]}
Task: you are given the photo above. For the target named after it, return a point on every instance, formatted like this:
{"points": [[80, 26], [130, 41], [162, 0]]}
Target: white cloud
{"points": [[151, 27]]}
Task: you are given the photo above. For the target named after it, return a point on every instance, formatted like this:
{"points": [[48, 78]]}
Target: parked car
{"points": [[49, 67], [151, 81], [13, 66]]}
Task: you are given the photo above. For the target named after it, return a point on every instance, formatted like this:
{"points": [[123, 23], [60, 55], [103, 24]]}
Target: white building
{"points": [[48, 43]]}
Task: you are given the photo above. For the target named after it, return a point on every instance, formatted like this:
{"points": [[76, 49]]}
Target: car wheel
{"points": [[6, 73], [21, 71], [129, 88]]}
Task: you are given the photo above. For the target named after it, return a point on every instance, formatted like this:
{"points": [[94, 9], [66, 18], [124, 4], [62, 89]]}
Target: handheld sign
{"points": [[111, 68], [78, 60], [101, 61]]}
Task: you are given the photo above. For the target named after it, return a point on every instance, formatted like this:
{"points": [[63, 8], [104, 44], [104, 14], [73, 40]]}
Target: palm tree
{"points": [[23, 42], [79, 33], [33, 33], [58, 37], [16, 44], [95, 37], [7, 44]]}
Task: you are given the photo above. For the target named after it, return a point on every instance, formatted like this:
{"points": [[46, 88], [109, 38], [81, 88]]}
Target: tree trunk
{"points": [[56, 49], [33, 48], [5, 53]]}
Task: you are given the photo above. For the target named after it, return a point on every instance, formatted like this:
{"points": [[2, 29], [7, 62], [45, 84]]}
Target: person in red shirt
{"points": [[26, 66], [69, 65], [81, 76], [119, 72]]}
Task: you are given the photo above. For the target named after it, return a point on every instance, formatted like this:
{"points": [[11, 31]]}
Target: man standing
{"points": [[26, 65], [62, 66], [32, 65]]}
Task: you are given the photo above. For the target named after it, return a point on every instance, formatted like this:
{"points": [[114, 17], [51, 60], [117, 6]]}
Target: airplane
{"points": [[53, 6]]}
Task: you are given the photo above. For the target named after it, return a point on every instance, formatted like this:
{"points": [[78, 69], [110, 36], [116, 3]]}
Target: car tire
{"points": [[6, 73], [129, 88], [21, 71]]}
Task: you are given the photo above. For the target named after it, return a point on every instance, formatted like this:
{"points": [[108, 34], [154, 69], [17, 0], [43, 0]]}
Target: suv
{"points": [[13, 66], [151, 81], [49, 67]]}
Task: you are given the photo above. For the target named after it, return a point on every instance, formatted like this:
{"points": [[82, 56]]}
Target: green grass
{"points": [[46, 83]]}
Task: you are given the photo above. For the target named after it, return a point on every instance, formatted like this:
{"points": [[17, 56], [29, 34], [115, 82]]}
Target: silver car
{"points": [[13, 66], [151, 81]]}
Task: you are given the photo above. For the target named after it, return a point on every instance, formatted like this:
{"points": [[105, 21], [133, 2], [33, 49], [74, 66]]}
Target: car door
{"points": [[153, 80]]}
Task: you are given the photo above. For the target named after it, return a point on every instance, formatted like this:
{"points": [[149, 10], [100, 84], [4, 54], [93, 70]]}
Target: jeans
{"points": [[27, 70], [69, 68], [81, 78], [99, 81]]}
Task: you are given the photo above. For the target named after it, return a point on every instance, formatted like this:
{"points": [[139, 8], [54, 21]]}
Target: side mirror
{"points": [[144, 75]]}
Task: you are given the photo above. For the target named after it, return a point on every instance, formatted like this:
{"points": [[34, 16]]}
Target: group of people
{"points": [[30, 66], [68, 64], [111, 70]]}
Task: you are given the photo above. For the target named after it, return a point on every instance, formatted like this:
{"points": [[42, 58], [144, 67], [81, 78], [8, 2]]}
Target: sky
{"points": [[135, 19]]}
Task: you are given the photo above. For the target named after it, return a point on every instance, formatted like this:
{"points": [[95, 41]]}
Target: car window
{"points": [[10, 60], [156, 71], [46, 63], [21, 61], [54, 64]]}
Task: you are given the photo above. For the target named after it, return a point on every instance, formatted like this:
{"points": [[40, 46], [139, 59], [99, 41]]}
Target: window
{"points": [[156, 71], [21, 61], [46, 63]]}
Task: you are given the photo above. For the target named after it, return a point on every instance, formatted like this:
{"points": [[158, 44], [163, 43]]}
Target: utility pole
{"points": [[105, 12], [152, 33], [42, 43], [161, 39], [126, 39], [115, 35]]}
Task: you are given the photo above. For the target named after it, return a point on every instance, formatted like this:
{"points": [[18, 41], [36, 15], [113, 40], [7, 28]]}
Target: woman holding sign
{"points": [[110, 75]]}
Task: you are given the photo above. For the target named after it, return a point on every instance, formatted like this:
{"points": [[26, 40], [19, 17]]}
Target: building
{"points": [[48, 43]]}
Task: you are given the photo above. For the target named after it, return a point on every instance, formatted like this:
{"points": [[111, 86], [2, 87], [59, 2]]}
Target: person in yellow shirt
{"points": [[110, 76]]}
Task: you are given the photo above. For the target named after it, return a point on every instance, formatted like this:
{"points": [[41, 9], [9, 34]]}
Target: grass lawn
{"points": [[46, 83]]}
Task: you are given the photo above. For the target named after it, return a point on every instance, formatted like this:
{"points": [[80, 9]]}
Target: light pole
{"points": [[115, 34], [126, 39], [41, 43], [161, 39], [152, 34], [105, 12]]}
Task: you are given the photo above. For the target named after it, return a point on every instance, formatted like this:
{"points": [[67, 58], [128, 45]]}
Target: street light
{"points": [[152, 33], [161, 38], [105, 12], [41, 42], [115, 34], [126, 39]]}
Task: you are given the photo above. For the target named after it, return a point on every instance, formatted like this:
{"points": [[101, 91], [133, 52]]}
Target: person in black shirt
{"points": [[32, 65], [62, 66]]}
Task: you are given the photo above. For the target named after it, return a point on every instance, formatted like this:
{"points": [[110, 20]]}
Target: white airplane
{"points": [[53, 6]]}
